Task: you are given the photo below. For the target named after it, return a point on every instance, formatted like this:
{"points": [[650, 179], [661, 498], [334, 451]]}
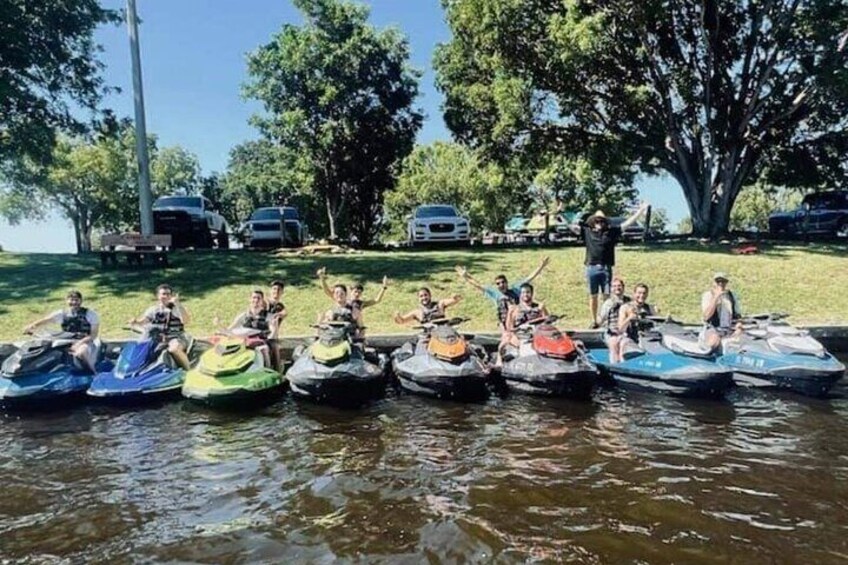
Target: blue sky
{"points": [[193, 61]]}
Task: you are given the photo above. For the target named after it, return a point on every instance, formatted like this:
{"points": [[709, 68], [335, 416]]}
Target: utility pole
{"points": [[145, 196]]}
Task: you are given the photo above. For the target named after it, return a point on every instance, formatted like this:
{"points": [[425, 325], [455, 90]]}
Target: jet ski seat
{"points": [[686, 345]]}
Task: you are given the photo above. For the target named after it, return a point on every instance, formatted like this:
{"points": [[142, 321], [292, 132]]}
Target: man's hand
{"points": [[322, 273], [397, 318], [385, 281], [545, 261], [461, 271]]}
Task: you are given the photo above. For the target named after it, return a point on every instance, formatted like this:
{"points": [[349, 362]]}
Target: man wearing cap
{"points": [[600, 238], [720, 311], [80, 321]]}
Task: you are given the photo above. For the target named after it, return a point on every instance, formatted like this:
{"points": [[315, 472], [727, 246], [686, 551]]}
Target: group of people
{"points": [[514, 305]]}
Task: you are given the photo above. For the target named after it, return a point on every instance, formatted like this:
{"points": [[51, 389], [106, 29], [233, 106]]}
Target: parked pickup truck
{"points": [[191, 221], [274, 226], [820, 213]]}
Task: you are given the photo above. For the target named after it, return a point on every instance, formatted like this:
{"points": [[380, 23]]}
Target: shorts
{"points": [[598, 278], [707, 330], [184, 339], [607, 336]]}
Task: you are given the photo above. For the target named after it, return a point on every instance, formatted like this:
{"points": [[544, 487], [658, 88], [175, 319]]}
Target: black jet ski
{"points": [[547, 362], [442, 363], [336, 370]]}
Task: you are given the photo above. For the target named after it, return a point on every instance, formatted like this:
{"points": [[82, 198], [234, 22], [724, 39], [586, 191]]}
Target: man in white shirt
{"points": [[80, 321]]}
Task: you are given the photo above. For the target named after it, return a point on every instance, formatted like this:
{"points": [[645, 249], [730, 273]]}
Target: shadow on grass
{"points": [[38, 276]]}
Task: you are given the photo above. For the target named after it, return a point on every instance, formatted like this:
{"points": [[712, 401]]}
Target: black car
{"points": [[820, 213]]}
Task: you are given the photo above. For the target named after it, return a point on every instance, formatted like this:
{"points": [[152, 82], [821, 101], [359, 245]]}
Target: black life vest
{"points": [[76, 322], [715, 319], [173, 324], [355, 305], [642, 310], [275, 307], [342, 314], [526, 314], [258, 321], [612, 315], [506, 300], [431, 312]]}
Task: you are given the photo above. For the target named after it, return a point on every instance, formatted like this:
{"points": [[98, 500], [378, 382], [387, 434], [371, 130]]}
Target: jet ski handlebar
{"points": [[440, 322]]}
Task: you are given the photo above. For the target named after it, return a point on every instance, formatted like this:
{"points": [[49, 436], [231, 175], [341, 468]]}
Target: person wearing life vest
{"points": [[173, 316], [277, 313], [720, 311], [75, 319], [257, 317], [608, 318], [629, 314], [341, 310], [503, 295], [428, 309], [355, 301], [527, 310]]}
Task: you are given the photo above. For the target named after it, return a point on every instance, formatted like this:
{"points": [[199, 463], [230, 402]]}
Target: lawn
{"points": [[807, 281]]}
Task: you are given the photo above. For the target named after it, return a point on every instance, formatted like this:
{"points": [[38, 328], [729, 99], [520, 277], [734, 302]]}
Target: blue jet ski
{"points": [[145, 370], [771, 353], [42, 372], [667, 360]]}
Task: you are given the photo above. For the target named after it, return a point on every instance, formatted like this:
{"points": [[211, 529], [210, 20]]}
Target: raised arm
{"points": [[379, 297], [408, 317], [322, 276], [635, 216], [463, 274], [539, 269], [626, 314], [448, 302], [38, 323]]}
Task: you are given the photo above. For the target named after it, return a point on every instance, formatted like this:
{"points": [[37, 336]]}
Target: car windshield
{"points": [[178, 202], [290, 214], [266, 214], [435, 212], [823, 200]]}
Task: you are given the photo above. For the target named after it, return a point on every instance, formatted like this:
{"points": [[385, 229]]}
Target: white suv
{"points": [[432, 223]]}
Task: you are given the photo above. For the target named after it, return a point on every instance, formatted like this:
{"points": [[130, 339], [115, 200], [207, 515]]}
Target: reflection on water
{"points": [[626, 477]]}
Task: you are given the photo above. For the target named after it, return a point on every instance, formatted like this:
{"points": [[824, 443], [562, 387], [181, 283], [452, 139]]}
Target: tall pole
{"points": [[145, 196]]}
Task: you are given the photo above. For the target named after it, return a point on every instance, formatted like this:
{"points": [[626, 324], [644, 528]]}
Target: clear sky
{"points": [[193, 63]]}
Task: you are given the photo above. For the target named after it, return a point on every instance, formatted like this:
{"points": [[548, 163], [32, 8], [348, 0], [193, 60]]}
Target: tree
{"points": [[93, 182], [339, 94], [719, 95], [48, 66], [175, 170], [684, 226], [579, 186], [659, 220], [452, 174], [757, 202]]}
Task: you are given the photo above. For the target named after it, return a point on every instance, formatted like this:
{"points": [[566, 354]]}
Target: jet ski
{"points": [[668, 360], [42, 371], [547, 362], [771, 353], [233, 374], [335, 370], [144, 371], [442, 363]]}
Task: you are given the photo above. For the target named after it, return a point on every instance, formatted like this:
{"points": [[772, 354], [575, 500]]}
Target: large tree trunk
{"points": [[331, 217], [75, 220]]}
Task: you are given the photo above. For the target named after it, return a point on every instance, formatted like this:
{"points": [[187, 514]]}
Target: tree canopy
{"points": [[338, 94], [48, 66], [717, 94]]}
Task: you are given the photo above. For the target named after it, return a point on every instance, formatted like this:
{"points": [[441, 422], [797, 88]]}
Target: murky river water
{"points": [[627, 478]]}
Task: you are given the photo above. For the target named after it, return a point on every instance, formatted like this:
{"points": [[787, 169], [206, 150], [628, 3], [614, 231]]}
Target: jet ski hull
{"points": [[804, 374], [667, 373], [160, 383], [427, 375], [244, 390], [352, 382], [545, 376], [56, 388]]}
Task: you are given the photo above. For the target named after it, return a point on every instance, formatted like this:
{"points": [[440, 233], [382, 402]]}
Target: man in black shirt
{"points": [[600, 238]]}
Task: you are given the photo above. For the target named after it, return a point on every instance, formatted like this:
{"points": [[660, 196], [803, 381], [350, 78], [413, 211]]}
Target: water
{"points": [[628, 477]]}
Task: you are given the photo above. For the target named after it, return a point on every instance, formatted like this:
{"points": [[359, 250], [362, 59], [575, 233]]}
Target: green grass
{"points": [[807, 281]]}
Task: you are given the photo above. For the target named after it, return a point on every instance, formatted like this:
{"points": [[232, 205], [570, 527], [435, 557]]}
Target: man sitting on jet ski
{"points": [[525, 311], [355, 302], [341, 311], [628, 316], [257, 317], [608, 318], [76, 320], [720, 310], [169, 313], [277, 311], [428, 309], [502, 294]]}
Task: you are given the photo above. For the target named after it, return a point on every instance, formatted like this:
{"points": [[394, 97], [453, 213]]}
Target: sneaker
{"points": [[593, 325]]}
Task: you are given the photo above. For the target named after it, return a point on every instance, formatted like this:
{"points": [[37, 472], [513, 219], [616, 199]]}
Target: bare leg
{"points": [[175, 348], [593, 309]]}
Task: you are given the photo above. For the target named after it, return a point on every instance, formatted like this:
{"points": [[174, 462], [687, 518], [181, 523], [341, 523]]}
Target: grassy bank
{"points": [[807, 281]]}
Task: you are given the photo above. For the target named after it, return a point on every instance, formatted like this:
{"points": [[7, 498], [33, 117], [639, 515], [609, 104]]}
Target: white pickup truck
{"points": [[191, 221]]}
